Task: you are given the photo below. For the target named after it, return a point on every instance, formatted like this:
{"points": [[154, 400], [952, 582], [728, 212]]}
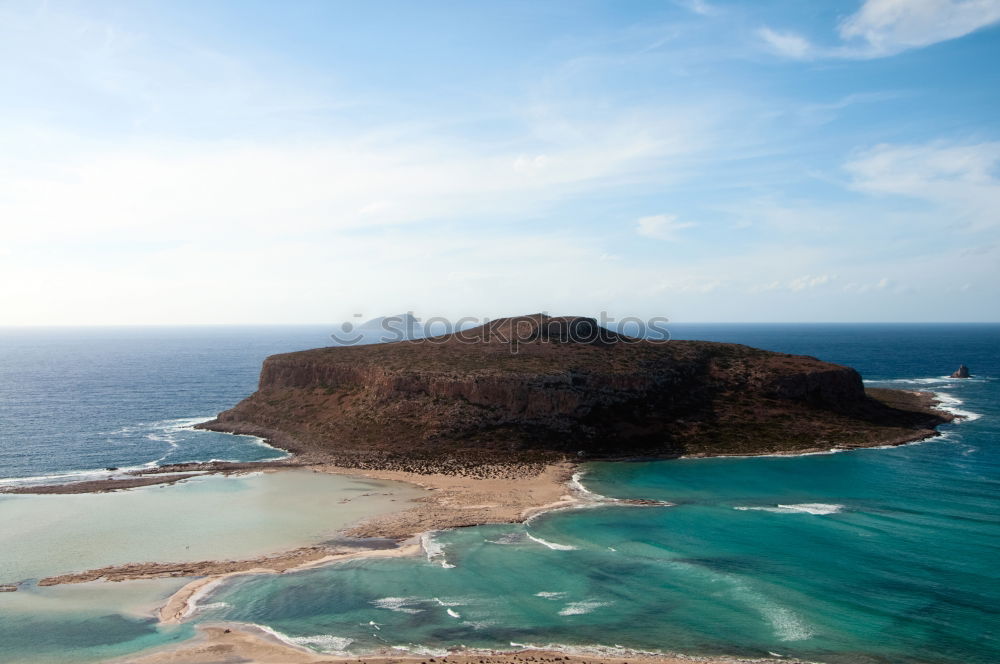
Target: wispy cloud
{"points": [[960, 179], [882, 28], [786, 43], [661, 226], [887, 27]]}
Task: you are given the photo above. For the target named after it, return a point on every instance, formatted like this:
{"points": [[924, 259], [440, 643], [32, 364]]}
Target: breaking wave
{"points": [[434, 550], [551, 545], [324, 643], [949, 404], [799, 508], [398, 604]]}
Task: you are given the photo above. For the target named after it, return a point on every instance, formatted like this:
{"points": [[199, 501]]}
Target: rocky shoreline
{"points": [[533, 390]]}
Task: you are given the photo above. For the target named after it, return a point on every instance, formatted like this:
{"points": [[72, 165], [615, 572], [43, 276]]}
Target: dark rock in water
{"points": [[961, 372], [112, 468], [536, 388]]}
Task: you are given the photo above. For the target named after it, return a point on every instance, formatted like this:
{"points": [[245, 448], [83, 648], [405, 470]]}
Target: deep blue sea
{"points": [[878, 555]]}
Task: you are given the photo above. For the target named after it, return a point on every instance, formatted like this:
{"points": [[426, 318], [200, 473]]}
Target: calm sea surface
{"points": [[867, 556]]}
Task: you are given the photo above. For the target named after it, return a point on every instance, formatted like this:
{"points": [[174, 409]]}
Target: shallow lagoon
{"points": [[205, 518]]}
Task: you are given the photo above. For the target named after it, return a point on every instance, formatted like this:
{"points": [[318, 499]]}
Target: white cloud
{"points": [[661, 226], [807, 282], [960, 179], [787, 44], [154, 189], [891, 26], [882, 28]]}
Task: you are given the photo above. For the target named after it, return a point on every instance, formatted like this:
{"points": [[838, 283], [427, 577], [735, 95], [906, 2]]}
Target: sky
{"points": [[248, 162]]}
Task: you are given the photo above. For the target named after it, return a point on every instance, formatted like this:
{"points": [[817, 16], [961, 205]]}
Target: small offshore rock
{"points": [[961, 372]]}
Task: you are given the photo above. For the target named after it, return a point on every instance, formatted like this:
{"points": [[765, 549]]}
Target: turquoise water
{"points": [[89, 622], [867, 556], [882, 555]]}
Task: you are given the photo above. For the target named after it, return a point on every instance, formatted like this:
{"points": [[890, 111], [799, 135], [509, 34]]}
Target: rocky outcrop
{"points": [[534, 388], [961, 372]]}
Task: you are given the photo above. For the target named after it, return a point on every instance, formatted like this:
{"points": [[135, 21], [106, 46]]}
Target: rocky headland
{"points": [[516, 394]]}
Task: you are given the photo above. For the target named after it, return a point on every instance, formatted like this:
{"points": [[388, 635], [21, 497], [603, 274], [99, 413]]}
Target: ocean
{"points": [[875, 555]]}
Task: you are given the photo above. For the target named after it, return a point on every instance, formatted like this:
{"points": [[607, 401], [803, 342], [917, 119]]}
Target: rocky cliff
{"points": [[535, 388]]}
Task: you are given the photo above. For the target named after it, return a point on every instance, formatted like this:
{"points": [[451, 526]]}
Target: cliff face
{"points": [[537, 387]]}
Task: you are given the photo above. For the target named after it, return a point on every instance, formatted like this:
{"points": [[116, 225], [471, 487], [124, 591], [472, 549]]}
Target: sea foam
{"points": [[551, 545], [398, 604], [434, 550], [580, 608], [950, 404], [325, 643], [799, 508]]}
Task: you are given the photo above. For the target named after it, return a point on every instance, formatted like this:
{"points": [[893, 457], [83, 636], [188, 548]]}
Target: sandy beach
{"points": [[457, 501]]}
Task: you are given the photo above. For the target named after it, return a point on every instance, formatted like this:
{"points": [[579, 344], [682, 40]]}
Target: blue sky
{"points": [[266, 162]]}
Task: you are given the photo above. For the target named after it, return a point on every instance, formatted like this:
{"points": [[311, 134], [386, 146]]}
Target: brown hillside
{"points": [[536, 388]]}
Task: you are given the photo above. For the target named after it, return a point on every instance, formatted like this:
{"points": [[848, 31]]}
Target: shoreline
{"points": [[254, 644], [928, 402], [518, 494]]}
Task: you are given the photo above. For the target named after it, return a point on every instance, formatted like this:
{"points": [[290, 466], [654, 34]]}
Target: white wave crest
{"points": [[950, 404], [551, 545], [324, 643], [422, 651], [580, 608], [550, 595], [937, 380], [434, 550], [398, 604], [453, 613], [454, 602], [200, 594], [615, 651], [576, 484], [800, 508], [69, 476]]}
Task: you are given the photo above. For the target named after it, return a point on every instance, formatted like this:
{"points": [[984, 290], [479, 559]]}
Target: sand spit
{"points": [[453, 502], [183, 602], [99, 486], [275, 563]]}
